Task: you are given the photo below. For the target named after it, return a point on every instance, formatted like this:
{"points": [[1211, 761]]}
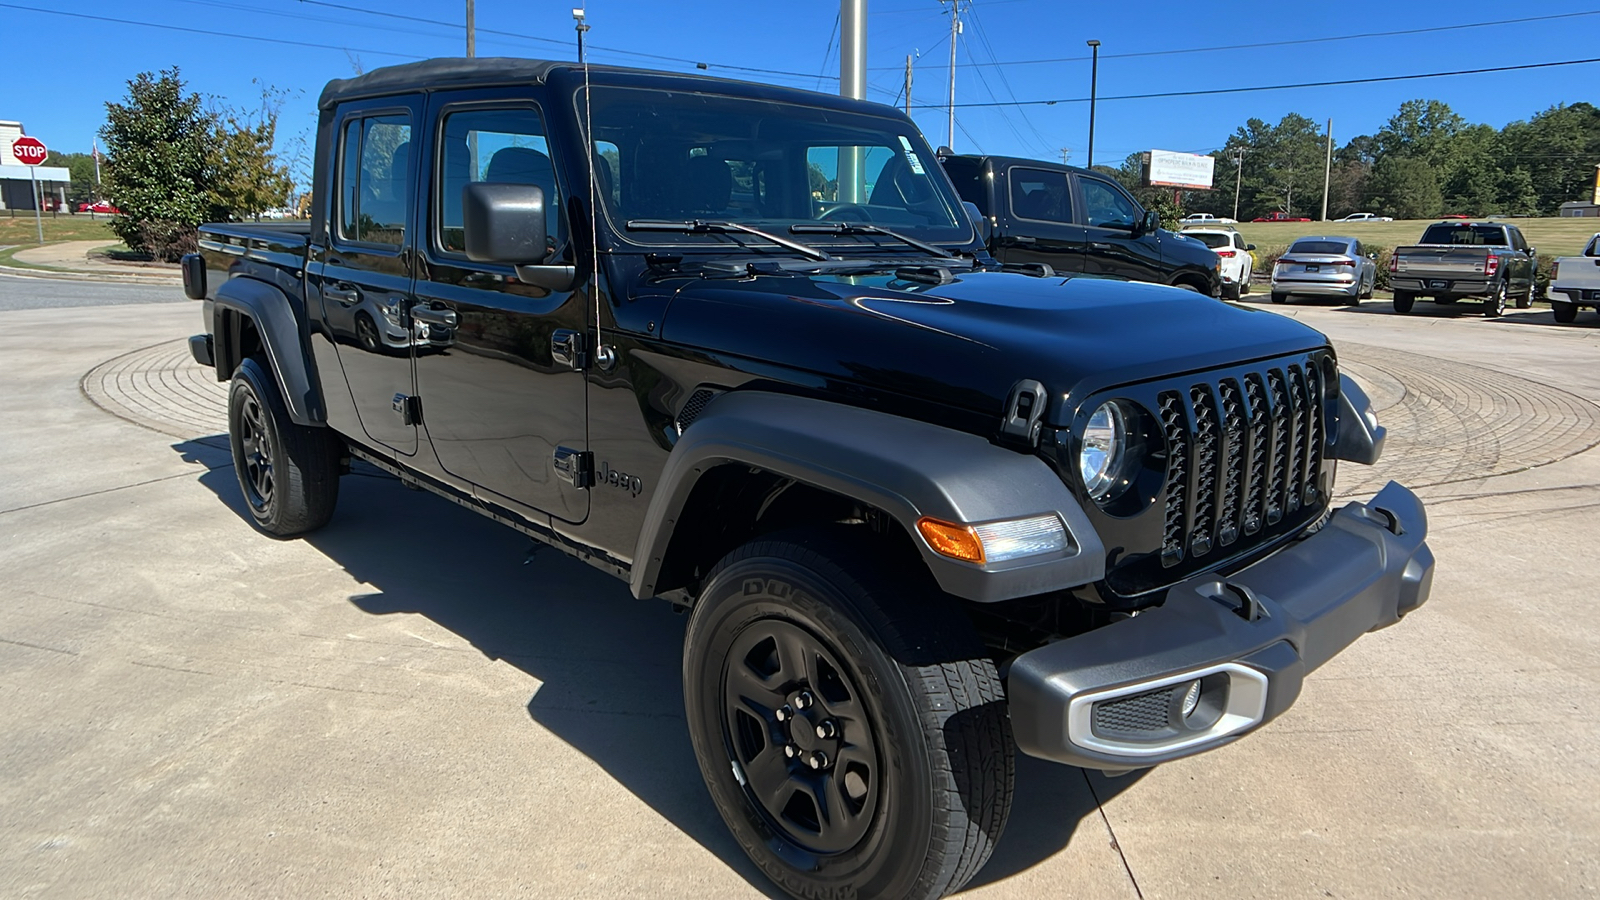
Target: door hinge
{"points": [[567, 348], [575, 467], [408, 408]]}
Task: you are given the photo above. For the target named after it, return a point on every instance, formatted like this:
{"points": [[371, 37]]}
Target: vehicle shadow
{"points": [[609, 665]]}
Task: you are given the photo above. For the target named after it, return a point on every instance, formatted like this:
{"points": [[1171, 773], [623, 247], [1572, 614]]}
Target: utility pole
{"points": [[908, 84], [955, 32], [1238, 178], [472, 33], [1066, 154], [1094, 81], [1327, 172], [852, 83]]}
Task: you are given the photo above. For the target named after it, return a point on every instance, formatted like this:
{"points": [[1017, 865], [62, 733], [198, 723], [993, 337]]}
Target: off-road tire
{"points": [[929, 701], [1565, 313], [1403, 301], [288, 473]]}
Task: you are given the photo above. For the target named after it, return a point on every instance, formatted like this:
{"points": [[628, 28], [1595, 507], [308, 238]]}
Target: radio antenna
{"points": [[601, 355]]}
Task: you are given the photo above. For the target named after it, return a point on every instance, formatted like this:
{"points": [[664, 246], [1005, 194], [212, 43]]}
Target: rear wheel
{"points": [[289, 473], [1230, 291], [1495, 304], [1565, 313], [1279, 297], [848, 723], [1403, 301]]}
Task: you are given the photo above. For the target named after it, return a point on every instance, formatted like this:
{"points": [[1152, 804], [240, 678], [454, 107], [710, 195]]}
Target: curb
{"points": [[162, 279]]}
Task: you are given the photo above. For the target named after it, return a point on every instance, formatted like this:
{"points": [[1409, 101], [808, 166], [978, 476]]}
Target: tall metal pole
{"points": [[955, 31], [582, 27], [1238, 179], [1094, 80], [1066, 154], [908, 84], [38, 201], [852, 83], [472, 33], [1327, 172]]}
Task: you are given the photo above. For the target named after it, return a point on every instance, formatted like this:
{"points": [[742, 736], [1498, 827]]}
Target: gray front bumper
{"points": [[1249, 639]]}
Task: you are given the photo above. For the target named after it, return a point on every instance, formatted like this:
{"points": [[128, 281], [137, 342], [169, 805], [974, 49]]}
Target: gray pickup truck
{"points": [[1484, 261]]}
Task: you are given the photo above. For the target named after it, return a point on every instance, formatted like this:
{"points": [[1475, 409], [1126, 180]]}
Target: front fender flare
{"points": [[279, 328], [908, 469]]}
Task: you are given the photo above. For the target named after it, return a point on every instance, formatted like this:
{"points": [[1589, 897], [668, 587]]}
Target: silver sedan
{"points": [[1325, 267]]}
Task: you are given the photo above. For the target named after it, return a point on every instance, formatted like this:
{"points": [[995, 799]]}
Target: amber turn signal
{"points": [[954, 541]]}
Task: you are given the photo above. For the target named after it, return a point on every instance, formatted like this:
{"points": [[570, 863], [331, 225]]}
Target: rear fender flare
{"points": [[906, 468], [279, 329]]}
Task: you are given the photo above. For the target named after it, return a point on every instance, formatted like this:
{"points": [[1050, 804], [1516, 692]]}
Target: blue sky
{"points": [[71, 66]]}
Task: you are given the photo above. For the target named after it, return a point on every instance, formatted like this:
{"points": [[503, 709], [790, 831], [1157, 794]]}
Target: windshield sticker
{"points": [[911, 156]]}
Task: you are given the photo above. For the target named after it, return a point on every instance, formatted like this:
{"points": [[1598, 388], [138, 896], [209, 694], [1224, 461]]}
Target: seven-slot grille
{"points": [[1243, 451]]}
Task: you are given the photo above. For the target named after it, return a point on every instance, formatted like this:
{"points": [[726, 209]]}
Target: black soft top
{"points": [[458, 72]]}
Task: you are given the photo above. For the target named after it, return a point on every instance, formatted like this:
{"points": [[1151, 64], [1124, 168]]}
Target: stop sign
{"points": [[29, 151]]}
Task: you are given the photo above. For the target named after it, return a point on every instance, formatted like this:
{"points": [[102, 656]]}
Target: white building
{"points": [[16, 182]]}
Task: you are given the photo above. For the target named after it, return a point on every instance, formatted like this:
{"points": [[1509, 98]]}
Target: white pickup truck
{"points": [[1575, 282]]}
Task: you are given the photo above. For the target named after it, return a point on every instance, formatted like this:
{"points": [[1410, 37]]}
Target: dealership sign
{"points": [[1165, 168]]}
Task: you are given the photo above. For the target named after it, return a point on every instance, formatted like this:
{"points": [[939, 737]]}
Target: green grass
{"points": [[1553, 237], [19, 229]]}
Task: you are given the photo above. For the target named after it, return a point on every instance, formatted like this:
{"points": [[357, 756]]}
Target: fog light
{"points": [[1191, 699]]}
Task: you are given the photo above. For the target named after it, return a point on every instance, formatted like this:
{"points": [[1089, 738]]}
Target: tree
{"points": [[1282, 164], [160, 159], [1405, 188], [249, 178], [1422, 129]]}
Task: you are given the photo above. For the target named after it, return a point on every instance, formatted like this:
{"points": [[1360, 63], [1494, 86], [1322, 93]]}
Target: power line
{"points": [[207, 33], [1285, 87], [1297, 42]]}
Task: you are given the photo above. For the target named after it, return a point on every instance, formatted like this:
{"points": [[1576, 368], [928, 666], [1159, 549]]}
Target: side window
{"points": [[502, 146], [374, 179], [1105, 206], [1594, 248], [1040, 195]]}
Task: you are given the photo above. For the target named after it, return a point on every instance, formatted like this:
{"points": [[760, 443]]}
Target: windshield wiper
{"points": [[699, 226], [860, 228]]}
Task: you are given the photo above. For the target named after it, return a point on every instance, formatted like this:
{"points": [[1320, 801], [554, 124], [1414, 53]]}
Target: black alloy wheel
{"points": [[288, 473], [1495, 304], [849, 725]]}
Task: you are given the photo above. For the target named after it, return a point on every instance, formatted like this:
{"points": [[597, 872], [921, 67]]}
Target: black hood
{"points": [[965, 343]]}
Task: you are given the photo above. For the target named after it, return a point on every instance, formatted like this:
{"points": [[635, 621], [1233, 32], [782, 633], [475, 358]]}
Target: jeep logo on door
{"points": [[630, 483]]}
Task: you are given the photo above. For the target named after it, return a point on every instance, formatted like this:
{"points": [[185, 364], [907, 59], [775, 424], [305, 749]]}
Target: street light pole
{"points": [[472, 33], [1094, 79], [853, 84]]}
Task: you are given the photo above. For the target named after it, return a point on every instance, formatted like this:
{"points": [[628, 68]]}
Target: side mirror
{"points": [[1250, 246], [1371, 255], [1147, 224], [1533, 251], [504, 223], [980, 222]]}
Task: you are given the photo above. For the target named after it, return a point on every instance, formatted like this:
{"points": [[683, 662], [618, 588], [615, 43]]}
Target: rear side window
{"points": [[1040, 195], [502, 146], [375, 179], [1319, 247]]}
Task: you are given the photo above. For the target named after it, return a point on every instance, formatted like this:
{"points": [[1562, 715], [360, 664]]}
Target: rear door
{"points": [[1040, 225], [362, 277], [499, 404], [1110, 216]]}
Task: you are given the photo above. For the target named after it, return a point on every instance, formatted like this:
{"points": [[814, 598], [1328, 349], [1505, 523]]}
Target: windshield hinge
{"points": [[1024, 411]]}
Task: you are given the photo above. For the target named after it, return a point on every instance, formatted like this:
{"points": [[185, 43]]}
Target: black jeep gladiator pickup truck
{"points": [[742, 347], [1075, 220]]}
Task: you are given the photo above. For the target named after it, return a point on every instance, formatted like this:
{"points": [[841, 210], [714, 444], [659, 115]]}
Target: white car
{"points": [[1238, 263], [1205, 219], [1366, 217], [1575, 282]]}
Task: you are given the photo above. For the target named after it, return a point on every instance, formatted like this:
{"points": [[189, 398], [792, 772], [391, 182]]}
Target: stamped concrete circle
{"points": [[162, 388], [1448, 421]]}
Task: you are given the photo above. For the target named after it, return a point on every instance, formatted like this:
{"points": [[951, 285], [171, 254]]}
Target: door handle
{"points": [[1099, 245], [347, 294], [444, 318], [1023, 239]]}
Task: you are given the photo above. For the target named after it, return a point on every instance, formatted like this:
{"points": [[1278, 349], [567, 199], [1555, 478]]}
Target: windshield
{"points": [[1472, 235], [1211, 240], [1319, 247], [675, 156]]}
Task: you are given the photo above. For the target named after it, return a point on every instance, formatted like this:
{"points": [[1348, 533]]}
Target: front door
{"points": [[1040, 227], [499, 404], [363, 278], [1111, 217]]}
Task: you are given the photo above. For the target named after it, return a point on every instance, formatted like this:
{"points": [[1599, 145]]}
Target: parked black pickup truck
{"points": [[1074, 220], [741, 347], [1486, 261]]}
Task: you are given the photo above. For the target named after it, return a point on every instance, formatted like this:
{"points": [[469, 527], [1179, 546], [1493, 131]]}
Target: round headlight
{"points": [[1104, 441]]}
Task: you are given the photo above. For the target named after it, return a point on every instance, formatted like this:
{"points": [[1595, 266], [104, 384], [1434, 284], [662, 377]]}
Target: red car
{"points": [[1280, 216], [99, 206], [1455, 216]]}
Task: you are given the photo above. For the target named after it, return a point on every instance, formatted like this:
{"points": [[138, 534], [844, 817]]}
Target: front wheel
{"points": [[1525, 299], [1495, 304], [289, 473], [849, 725]]}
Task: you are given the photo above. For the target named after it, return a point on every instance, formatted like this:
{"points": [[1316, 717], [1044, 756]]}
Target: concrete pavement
{"points": [[398, 705]]}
